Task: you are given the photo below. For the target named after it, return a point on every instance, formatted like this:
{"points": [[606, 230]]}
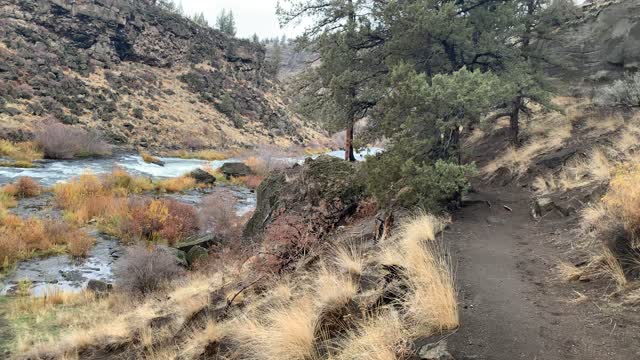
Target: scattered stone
{"points": [[542, 206], [435, 351], [204, 241], [235, 169], [202, 177], [180, 255]]}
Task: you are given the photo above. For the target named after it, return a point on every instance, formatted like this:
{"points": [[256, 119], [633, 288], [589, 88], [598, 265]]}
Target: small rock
{"points": [[436, 351], [493, 220]]}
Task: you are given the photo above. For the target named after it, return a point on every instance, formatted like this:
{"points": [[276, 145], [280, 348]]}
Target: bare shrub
{"points": [[59, 141], [218, 215], [143, 270]]}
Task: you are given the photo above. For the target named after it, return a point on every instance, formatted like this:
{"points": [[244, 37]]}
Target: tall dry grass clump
{"points": [[431, 301], [382, 336]]}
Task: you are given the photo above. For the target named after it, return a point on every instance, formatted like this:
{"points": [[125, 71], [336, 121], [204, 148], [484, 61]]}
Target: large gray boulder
{"points": [[235, 169]]}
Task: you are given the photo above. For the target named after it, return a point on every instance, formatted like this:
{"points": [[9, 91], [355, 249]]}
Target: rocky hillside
{"points": [[138, 75], [600, 44]]}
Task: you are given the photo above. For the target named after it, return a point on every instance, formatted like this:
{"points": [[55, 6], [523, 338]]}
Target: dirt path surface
{"points": [[511, 306]]}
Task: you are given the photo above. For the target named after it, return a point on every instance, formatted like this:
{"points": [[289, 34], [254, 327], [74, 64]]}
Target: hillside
{"points": [[138, 75]]}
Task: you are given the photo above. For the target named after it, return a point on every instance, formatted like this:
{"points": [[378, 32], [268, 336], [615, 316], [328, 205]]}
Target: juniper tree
{"points": [[226, 22], [343, 34]]}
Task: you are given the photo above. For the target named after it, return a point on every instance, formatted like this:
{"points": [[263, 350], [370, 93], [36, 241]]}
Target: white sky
{"points": [[252, 16]]}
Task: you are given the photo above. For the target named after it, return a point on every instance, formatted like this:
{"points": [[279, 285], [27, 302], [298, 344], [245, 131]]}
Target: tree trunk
{"points": [[514, 120], [348, 146]]}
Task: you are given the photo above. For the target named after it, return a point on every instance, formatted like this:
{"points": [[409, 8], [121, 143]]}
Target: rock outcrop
{"points": [[138, 74], [323, 192], [600, 45]]}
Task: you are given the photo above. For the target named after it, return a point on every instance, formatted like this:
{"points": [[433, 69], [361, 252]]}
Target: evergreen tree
{"points": [[225, 22], [343, 34], [255, 39]]}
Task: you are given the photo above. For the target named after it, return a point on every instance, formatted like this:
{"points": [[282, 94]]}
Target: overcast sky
{"points": [[252, 16]]}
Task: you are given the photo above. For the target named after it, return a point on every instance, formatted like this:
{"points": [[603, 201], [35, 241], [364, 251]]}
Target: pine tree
{"points": [[226, 23]]}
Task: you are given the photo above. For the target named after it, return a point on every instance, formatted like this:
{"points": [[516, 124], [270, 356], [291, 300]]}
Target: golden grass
{"points": [[614, 270], [380, 337], [286, 332], [432, 300], [178, 184], [209, 155], [350, 258], [568, 272], [23, 152], [333, 290]]}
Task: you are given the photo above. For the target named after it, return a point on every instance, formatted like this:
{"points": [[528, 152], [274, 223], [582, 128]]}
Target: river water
{"points": [[69, 274]]}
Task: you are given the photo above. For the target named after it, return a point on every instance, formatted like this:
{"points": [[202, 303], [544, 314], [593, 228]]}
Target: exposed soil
{"points": [[512, 304]]}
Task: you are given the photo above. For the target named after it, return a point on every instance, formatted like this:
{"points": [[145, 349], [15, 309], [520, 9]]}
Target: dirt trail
{"points": [[511, 307]]}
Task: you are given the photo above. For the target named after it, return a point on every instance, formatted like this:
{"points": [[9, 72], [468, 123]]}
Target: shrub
{"points": [[265, 160], [148, 158], [625, 92], [391, 179], [160, 220], [79, 243], [143, 270], [218, 214], [122, 183], [59, 141], [286, 240], [27, 187]]}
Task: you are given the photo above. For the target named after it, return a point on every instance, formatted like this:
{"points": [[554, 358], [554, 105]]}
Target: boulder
{"points": [[99, 286], [196, 253], [202, 177], [235, 169], [436, 351], [322, 192], [181, 256], [204, 241]]}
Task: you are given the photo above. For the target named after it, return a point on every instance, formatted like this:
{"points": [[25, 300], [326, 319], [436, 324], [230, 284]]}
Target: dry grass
{"points": [[23, 151], [286, 332], [350, 258], [568, 272], [317, 312], [381, 337], [178, 184], [24, 187], [431, 302], [209, 155], [333, 290]]}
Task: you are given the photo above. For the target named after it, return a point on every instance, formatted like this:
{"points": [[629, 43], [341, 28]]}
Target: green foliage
{"points": [[226, 105], [394, 180], [226, 22]]}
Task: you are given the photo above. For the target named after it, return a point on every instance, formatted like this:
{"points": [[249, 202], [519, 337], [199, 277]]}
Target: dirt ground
{"points": [[512, 304]]}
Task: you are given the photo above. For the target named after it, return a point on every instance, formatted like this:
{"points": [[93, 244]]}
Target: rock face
{"points": [[136, 73], [601, 44], [202, 177], [323, 191]]}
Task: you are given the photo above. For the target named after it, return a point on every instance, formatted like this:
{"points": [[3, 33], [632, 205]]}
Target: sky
{"points": [[252, 16]]}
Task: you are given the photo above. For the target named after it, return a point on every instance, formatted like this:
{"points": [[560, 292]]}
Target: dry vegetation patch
{"points": [[317, 311]]}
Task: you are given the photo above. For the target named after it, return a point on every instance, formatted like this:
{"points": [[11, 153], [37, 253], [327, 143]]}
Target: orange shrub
{"points": [[79, 243], [21, 239], [27, 187], [120, 182], [159, 220]]}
